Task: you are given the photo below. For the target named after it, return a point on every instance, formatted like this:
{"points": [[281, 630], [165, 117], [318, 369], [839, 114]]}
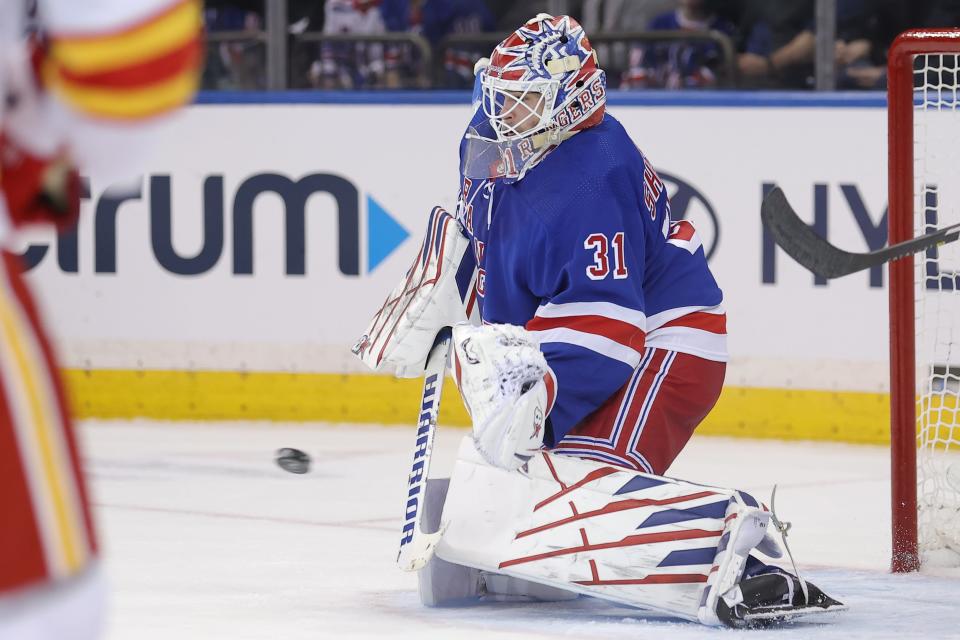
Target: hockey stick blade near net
{"points": [[417, 546], [822, 258]]}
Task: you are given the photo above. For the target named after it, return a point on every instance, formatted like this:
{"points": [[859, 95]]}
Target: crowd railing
{"points": [[421, 66]]}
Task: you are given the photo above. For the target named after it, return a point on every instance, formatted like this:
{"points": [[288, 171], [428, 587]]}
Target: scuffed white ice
{"points": [[206, 538]]}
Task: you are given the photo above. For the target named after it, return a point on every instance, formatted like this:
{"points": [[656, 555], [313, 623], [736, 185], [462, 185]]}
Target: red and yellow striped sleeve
{"points": [[139, 71]]}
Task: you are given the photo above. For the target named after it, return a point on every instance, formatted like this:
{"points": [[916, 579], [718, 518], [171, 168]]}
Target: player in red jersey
{"points": [[88, 93]]}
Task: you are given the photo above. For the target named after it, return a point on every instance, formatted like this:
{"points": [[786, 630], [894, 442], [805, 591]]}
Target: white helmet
{"points": [[541, 86]]}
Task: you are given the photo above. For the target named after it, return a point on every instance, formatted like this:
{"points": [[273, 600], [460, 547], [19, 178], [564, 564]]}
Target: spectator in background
{"points": [[507, 14], [605, 16], [865, 31], [305, 15], [860, 53], [679, 64], [888, 18], [393, 65], [443, 18], [940, 13], [401, 60], [234, 64], [350, 65], [777, 43], [885, 20], [624, 15]]}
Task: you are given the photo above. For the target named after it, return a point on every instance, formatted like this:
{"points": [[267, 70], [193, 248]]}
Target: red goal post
{"points": [[910, 197]]}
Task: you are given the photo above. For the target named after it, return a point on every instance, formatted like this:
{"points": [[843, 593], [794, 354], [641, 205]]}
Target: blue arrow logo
{"points": [[384, 234]]}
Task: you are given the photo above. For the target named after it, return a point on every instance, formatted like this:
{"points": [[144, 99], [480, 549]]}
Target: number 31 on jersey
{"points": [[601, 247]]}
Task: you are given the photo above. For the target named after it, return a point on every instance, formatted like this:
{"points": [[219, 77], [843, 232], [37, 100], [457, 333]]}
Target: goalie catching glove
{"points": [[508, 389]]}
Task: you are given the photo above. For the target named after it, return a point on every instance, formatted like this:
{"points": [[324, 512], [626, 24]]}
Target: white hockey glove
{"points": [[426, 300], [507, 387]]}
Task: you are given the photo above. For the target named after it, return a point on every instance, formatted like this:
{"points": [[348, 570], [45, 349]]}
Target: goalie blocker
{"points": [[566, 525], [436, 292]]}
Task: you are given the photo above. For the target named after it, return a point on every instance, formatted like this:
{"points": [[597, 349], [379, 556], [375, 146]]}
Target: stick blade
{"points": [[417, 553], [800, 241], [822, 258]]}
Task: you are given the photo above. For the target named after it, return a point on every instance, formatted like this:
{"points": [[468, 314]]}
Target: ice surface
{"points": [[205, 538]]}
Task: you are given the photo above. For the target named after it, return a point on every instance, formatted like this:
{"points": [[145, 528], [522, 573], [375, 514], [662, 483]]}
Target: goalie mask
{"points": [[542, 85]]}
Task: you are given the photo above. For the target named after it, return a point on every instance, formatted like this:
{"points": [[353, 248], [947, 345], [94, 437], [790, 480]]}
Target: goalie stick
{"points": [[416, 545], [822, 258]]}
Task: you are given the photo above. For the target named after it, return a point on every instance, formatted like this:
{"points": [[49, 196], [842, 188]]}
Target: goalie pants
{"points": [[46, 534], [646, 424]]}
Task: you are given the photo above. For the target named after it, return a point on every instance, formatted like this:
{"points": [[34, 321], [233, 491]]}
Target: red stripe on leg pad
{"points": [[614, 507], [590, 477], [629, 541]]}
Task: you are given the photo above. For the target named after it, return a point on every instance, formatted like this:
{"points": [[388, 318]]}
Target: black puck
{"points": [[293, 460]]}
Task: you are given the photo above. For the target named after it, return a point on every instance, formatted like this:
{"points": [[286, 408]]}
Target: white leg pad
{"points": [[443, 583], [586, 527], [504, 588]]}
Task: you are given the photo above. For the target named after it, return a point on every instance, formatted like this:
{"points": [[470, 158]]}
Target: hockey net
{"points": [[924, 139]]}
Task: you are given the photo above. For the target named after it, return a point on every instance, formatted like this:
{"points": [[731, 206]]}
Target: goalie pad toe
{"points": [[745, 527]]}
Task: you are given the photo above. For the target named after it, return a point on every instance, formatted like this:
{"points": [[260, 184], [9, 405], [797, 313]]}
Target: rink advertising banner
{"points": [[230, 280]]}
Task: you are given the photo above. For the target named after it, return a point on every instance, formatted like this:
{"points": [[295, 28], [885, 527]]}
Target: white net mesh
{"points": [[937, 204]]}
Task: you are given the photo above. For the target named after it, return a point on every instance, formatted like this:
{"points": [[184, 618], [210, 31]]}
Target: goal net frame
{"points": [[902, 211]]}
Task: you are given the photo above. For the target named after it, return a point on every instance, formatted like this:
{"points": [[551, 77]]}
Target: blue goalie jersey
{"points": [[582, 253]]}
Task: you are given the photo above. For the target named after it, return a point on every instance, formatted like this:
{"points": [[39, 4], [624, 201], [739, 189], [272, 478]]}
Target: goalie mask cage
{"points": [[924, 194]]}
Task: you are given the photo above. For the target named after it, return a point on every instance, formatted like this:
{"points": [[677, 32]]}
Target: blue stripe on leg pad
{"points": [[748, 499], [638, 483], [669, 516], [689, 556]]}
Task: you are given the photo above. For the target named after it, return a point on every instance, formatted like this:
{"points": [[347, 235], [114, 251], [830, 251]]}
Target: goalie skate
{"points": [[772, 599]]}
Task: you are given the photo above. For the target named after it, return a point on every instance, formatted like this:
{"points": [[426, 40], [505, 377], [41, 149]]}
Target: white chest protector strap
{"points": [[646, 541], [435, 293]]}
